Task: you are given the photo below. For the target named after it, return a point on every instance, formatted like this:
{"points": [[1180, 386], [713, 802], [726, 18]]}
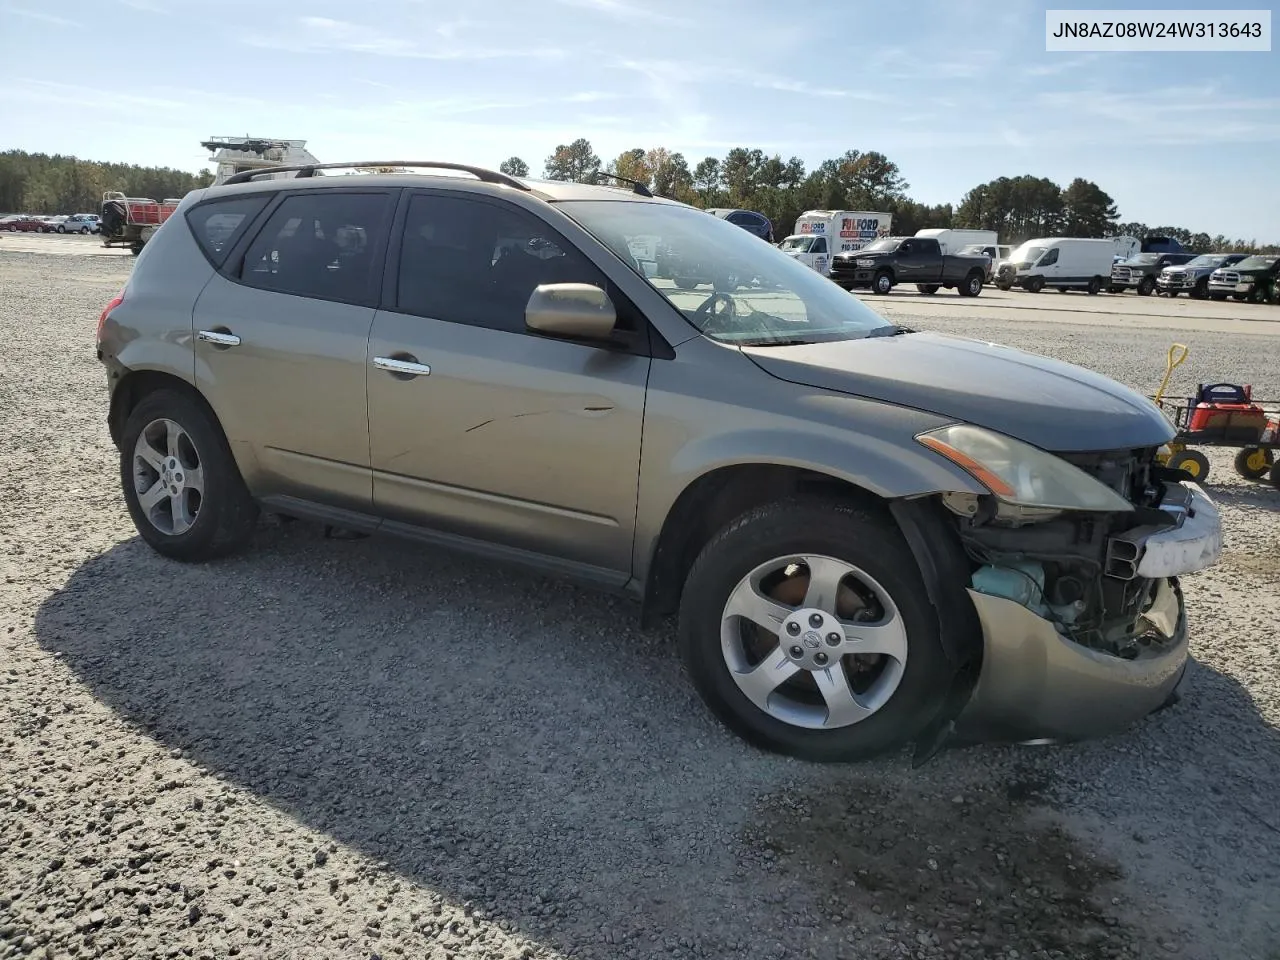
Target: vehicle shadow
{"points": [[505, 739]]}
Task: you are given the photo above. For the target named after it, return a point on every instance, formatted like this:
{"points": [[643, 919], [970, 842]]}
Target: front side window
{"points": [[724, 281], [1049, 259], [820, 245], [471, 261], [319, 245]]}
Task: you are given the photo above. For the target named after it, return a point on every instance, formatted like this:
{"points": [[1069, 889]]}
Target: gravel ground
{"points": [[353, 749]]}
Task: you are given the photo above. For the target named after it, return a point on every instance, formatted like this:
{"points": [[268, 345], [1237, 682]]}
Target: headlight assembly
{"points": [[1020, 474]]}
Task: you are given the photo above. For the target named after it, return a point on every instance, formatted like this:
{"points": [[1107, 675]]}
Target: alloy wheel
{"points": [[168, 478], [813, 641]]}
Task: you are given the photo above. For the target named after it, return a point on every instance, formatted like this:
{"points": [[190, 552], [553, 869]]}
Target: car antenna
{"points": [[636, 185]]}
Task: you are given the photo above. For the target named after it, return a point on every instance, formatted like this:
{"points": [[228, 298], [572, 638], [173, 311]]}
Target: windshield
{"points": [[1027, 253], [1143, 258], [1207, 261], [973, 250], [884, 243], [725, 282], [1255, 263], [800, 244]]}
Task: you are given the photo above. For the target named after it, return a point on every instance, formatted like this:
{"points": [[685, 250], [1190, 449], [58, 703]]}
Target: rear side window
{"points": [[217, 224], [321, 245]]}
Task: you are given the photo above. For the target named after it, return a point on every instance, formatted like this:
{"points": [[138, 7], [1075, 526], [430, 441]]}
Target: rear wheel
{"points": [[971, 286], [1192, 461], [928, 289], [183, 490], [1146, 285], [805, 629], [1254, 463]]}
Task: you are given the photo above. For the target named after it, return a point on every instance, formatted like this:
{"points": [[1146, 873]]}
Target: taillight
{"points": [[115, 302]]}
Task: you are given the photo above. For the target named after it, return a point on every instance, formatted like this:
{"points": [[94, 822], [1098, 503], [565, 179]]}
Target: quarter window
{"points": [[319, 245], [218, 224], [473, 262]]}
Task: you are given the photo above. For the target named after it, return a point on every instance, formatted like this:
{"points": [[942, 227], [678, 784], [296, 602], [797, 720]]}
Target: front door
{"points": [[499, 434], [282, 337]]}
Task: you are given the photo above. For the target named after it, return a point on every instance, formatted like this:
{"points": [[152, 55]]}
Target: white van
{"points": [[821, 234], [953, 241], [1064, 263]]}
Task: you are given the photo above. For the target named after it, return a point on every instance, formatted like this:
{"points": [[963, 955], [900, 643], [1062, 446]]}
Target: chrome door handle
{"points": [[408, 367], [221, 339]]}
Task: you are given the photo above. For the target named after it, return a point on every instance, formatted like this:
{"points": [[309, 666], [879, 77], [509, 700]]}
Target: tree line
{"points": [[41, 183], [1017, 208]]}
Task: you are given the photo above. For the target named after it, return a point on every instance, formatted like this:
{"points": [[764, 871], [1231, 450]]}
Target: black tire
{"points": [[226, 514], [1254, 463], [883, 283], [928, 289], [1275, 475], [1035, 284], [1094, 287], [834, 528], [61, 228], [1201, 290], [84, 230], [1004, 287], [684, 283], [971, 286], [1192, 461], [1146, 285], [1061, 289]]}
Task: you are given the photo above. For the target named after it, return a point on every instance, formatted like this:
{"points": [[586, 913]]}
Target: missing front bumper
{"points": [[1036, 684]]}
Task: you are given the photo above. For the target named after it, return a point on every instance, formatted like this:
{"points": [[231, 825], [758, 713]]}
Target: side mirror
{"points": [[571, 310]]}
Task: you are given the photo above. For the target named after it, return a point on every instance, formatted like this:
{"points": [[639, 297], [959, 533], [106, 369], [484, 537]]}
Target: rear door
{"points": [[499, 434], [282, 334], [919, 261]]}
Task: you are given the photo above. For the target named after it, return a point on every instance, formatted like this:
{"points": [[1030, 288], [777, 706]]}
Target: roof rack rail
{"points": [[309, 169], [636, 185]]}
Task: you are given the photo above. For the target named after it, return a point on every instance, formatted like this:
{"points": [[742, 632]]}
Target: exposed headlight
{"points": [[866, 262], [1019, 473]]}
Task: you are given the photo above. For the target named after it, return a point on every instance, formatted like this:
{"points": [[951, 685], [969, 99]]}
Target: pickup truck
{"points": [[1140, 271], [1253, 279], [884, 263]]}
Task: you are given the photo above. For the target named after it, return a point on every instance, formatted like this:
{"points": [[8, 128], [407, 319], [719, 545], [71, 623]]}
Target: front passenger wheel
{"points": [[181, 484], [804, 626]]}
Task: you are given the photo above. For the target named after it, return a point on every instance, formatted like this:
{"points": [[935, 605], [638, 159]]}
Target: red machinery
{"points": [[131, 221]]}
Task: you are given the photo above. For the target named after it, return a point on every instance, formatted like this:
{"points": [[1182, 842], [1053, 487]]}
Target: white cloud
{"points": [[621, 10], [43, 17], [319, 34]]}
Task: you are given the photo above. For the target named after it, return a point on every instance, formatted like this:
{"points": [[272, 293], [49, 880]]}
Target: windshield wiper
{"points": [[775, 342], [892, 330]]}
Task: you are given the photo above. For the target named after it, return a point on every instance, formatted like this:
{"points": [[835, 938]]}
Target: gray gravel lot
{"points": [[350, 749]]}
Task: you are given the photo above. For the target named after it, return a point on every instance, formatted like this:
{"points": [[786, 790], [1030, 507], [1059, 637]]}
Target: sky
{"points": [[956, 92]]}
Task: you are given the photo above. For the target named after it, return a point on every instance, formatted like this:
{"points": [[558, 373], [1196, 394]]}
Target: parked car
{"points": [[80, 223], [1064, 263], [1252, 279], [1140, 272], [51, 224], [1192, 277], [748, 220], [8, 220], [21, 223], [883, 264], [867, 533], [993, 252]]}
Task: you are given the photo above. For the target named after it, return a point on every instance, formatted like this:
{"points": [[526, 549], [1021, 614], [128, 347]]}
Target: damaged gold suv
{"points": [[871, 536]]}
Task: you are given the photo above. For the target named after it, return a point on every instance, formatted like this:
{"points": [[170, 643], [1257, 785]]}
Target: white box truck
{"points": [[820, 234], [953, 241], [1064, 263]]}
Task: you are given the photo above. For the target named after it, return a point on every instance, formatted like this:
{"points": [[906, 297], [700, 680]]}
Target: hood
{"points": [[1053, 405]]}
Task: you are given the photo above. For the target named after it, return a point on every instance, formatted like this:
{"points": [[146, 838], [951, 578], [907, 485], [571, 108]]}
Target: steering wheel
{"points": [[708, 316]]}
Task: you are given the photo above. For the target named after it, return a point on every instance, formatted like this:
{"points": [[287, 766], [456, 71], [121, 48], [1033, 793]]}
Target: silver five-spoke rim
{"points": [[813, 641], [168, 477]]}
